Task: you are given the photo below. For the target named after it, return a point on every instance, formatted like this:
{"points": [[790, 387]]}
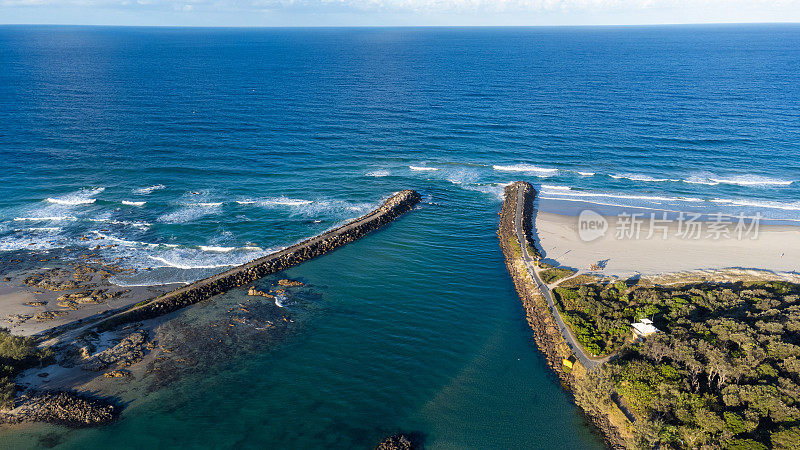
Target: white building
{"points": [[643, 328]]}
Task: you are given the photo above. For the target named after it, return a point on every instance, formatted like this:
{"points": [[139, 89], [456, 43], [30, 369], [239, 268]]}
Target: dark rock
{"points": [[118, 374], [65, 408], [128, 352], [396, 442], [47, 316], [255, 292], [35, 303]]}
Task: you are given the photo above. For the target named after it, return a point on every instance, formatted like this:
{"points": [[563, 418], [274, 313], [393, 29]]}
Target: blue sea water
{"points": [[195, 149]]}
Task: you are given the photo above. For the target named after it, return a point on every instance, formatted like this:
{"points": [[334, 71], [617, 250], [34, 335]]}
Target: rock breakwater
{"points": [[546, 333], [244, 274]]}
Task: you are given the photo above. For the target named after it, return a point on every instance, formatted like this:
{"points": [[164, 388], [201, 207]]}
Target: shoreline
{"points": [[776, 248], [546, 335], [94, 347], [599, 401]]}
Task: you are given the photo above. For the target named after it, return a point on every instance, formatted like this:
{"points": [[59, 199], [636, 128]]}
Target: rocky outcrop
{"points": [[76, 300], [256, 293], [128, 351], [69, 409], [53, 280], [392, 208], [397, 442]]}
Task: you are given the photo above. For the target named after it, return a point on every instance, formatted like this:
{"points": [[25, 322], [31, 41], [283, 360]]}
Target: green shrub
{"points": [[559, 273], [17, 354], [723, 372]]}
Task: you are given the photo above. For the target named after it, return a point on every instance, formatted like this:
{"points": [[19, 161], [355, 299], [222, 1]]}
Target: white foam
{"points": [[423, 168], [12, 243], [378, 173], [245, 202], [586, 174], [497, 190], [622, 196], [795, 206], [82, 197], [636, 177], [46, 218], [61, 201], [188, 266], [130, 203], [33, 238], [699, 180], [44, 229], [149, 189], [462, 176], [212, 248], [339, 208], [556, 188], [206, 257], [752, 180], [191, 211], [746, 180], [129, 243], [296, 206], [142, 225], [284, 201], [528, 168]]}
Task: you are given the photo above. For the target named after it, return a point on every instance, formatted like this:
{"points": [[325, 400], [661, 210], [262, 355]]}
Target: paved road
{"points": [[589, 362]]}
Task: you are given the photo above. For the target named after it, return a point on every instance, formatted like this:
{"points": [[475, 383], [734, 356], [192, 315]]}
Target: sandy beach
{"points": [[776, 247], [41, 297]]}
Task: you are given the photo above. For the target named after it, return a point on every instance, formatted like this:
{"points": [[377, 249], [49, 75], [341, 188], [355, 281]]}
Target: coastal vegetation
{"points": [[17, 353], [553, 275], [722, 372]]}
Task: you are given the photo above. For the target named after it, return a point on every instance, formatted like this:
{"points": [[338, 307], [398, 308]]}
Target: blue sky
{"points": [[394, 12]]}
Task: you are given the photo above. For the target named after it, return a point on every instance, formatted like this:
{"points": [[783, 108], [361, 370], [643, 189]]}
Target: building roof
{"points": [[644, 327]]}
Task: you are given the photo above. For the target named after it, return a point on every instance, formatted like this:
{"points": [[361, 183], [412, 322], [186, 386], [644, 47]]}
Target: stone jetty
{"points": [[247, 273]]}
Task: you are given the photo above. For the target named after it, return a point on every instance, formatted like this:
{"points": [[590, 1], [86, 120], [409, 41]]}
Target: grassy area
{"points": [[552, 275], [16, 354], [515, 247], [723, 372]]}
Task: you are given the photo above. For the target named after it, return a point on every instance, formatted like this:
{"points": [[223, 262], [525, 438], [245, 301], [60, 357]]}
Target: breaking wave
{"points": [[528, 168], [82, 197], [149, 189], [744, 180], [794, 206], [636, 177]]}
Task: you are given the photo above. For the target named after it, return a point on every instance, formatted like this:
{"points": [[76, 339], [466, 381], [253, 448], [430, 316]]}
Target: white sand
{"points": [[777, 248]]}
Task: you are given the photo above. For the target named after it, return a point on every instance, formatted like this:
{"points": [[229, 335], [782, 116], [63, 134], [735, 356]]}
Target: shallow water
{"points": [[194, 149]]}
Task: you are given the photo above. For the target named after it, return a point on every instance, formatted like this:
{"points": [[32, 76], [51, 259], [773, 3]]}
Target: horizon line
{"points": [[608, 25]]}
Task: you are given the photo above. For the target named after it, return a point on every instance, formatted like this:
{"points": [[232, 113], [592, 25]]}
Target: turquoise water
{"points": [[195, 149]]}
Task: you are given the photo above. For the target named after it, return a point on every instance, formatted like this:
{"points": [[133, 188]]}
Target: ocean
{"points": [[196, 149]]}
